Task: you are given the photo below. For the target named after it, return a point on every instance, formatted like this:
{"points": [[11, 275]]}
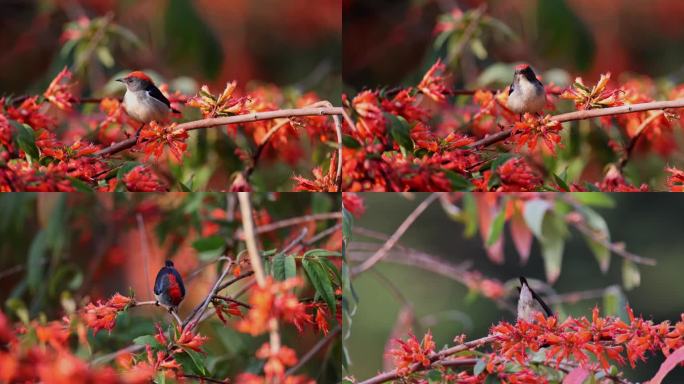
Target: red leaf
{"points": [[522, 237], [487, 207], [576, 376], [665, 368]]}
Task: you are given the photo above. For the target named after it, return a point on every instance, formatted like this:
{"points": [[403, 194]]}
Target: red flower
{"points": [[321, 182], [434, 83], [186, 339], [155, 137], [273, 301], [58, 93], [675, 181], [353, 203], [532, 129], [103, 315], [410, 352], [141, 179], [276, 361], [517, 175], [370, 122]]}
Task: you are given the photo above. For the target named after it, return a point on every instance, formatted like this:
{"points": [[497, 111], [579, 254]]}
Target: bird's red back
{"points": [[174, 289]]}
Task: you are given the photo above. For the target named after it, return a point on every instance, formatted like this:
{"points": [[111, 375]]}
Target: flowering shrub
{"points": [[298, 301], [432, 136], [541, 351], [75, 135]]}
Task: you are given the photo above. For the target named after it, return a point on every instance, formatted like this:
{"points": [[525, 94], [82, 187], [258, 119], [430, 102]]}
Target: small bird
{"points": [[529, 303], [168, 287], [527, 93], [143, 101]]}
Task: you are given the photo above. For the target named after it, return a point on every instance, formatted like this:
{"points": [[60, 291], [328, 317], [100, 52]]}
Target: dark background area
{"points": [[387, 41], [650, 225], [286, 43]]}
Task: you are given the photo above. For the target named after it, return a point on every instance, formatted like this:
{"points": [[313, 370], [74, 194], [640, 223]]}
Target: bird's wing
{"points": [[548, 310], [160, 282], [510, 89], [156, 93]]}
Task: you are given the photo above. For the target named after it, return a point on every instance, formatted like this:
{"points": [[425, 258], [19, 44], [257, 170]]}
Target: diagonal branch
{"points": [[395, 236]]}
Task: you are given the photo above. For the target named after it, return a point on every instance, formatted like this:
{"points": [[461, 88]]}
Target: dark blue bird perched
{"points": [[168, 286]]}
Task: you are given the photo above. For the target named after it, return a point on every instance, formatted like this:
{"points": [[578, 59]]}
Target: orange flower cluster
{"points": [[103, 315], [59, 91], [596, 97], [321, 182], [274, 301], [410, 352], [155, 137], [224, 104], [435, 84], [608, 339], [531, 130]]}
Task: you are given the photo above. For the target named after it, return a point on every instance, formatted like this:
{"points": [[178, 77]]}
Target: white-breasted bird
{"points": [[527, 93], [143, 101], [529, 303]]}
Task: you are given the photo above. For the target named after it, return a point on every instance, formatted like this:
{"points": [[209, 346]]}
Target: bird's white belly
{"points": [[144, 108], [526, 98]]}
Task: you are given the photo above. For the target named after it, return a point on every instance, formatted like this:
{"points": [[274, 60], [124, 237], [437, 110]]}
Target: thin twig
{"points": [[11, 271], [322, 234], [312, 352], [293, 221], [207, 300], [255, 260], [260, 148], [396, 235], [617, 249], [588, 114], [230, 299]]}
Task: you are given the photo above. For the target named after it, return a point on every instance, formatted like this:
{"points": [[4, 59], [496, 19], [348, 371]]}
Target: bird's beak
{"points": [[120, 80]]}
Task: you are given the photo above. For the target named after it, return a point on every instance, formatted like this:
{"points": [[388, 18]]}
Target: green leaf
{"points": [[631, 277], [599, 227], [17, 306], [566, 37], [80, 185], [534, 213], [350, 142], [594, 199], [614, 302], [284, 267], [479, 367], [26, 140], [125, 168], [399, 128], [35, 260], [68, 275], [148, 339], [561, 183], [554, 231], [321, 253], [347, 223], [458, 181], [191, 40], [320, 279], [209, 247], [497, 226], [192, 361], [478, 49], [105, 56], [434, 376]]}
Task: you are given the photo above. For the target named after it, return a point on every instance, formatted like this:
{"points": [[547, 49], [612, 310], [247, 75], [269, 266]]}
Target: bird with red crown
{"points": [[168, 287]]}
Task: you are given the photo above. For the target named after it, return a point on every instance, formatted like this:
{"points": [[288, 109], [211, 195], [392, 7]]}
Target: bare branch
{"points": [[395, 236]]}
